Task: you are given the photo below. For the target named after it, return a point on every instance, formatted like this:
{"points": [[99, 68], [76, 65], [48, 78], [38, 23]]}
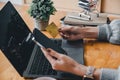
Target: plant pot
{"points": [[40, 24]]}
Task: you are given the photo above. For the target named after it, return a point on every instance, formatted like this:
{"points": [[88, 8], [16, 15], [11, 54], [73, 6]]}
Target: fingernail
{"points": [[48, 50]]}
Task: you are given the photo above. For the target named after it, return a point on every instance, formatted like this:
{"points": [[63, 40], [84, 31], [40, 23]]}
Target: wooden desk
{"points": [[98, 54]]}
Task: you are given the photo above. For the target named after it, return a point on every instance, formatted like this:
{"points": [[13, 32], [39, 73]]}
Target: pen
{"points": [[36, 42], [31, 37]]}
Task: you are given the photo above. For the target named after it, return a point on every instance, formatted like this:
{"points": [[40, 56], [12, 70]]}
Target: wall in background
{"points": [[108, 6], [20, 2], [111, 6], [67, 5], [71, 5]]}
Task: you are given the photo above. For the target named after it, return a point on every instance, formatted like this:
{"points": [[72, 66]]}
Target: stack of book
{"points": [[74, 18]]}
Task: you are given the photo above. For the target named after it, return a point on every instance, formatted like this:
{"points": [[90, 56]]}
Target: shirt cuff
{"points": [[102, 34], [108, 74]]}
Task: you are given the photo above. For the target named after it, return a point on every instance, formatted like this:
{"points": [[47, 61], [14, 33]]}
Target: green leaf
{"points": [[41, 9]]}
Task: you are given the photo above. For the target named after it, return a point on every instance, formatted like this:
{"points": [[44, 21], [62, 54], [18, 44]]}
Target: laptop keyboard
{"points": [[40, 64]]}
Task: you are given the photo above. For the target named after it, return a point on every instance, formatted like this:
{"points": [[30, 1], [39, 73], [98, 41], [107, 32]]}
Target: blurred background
{"points": [[108, 6]]}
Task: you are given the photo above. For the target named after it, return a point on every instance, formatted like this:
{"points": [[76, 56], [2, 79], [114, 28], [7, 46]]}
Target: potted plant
{"points": [[41, 10]]}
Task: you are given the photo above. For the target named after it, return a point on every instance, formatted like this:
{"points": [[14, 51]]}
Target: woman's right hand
{"points": [[63, 63]]}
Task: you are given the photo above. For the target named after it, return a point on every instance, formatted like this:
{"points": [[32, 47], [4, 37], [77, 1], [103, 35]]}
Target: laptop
{"points": [[27, 57]]}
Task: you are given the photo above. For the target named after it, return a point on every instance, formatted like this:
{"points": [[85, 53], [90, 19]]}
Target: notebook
{"points": [[27, 57]]}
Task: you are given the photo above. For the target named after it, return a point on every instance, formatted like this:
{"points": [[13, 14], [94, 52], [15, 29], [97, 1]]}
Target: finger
{"points": [[48, 56], [59, 29], [53, 53], [64, 35], [61, 33], [66, 28]]}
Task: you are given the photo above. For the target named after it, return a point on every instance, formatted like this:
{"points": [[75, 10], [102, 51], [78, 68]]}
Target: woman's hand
{"points": [[78, 32], [71, 32], [63, 63]]}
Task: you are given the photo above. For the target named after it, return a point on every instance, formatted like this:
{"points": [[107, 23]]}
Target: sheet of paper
{"points": [[52, 29]]}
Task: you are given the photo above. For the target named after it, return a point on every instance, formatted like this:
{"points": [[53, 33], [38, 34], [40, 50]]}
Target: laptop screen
{"points": [[13, 32]]}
